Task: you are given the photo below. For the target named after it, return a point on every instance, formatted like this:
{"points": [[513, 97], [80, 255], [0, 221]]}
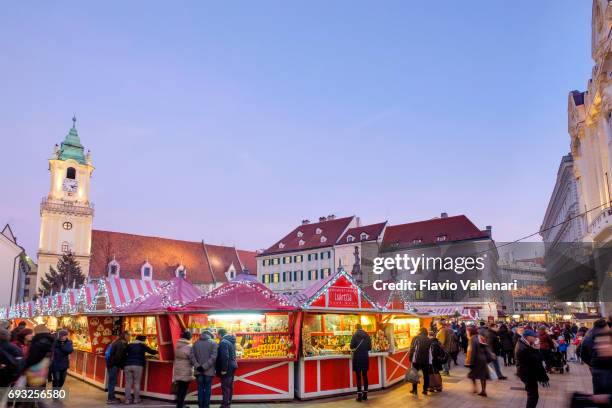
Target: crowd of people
{"points": [[32, 357], [196, 361], [536, 350], [35, 357]]}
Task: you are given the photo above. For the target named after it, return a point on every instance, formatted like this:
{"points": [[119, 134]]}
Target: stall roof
{"points": [[347, 295], [238, 294], [386, 299], [176, 293]]}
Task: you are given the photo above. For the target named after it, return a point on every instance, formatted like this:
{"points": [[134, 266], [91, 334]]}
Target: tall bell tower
{"points": [[66, 214]]}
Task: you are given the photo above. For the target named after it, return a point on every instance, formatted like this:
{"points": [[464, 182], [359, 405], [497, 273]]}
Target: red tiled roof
{"points": [[248, 260], [373, 231], [456, 228], [205, 263], [331, 230]]}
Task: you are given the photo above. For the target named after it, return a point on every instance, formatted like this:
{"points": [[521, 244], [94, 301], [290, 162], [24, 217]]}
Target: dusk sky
{"points": [[231, 122]]}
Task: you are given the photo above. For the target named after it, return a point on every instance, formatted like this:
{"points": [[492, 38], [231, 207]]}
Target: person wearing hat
{"points": [[39, 357], [529, 366], [203, 358], [59, 364], [182, 371]]}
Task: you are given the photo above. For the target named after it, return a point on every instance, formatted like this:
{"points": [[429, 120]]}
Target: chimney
{"points": [[489, 231], [444, 215], [304, 222], [321, 219], [331, 217]]}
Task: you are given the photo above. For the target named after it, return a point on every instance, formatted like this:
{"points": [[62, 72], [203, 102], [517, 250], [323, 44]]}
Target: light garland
{"points": [[255, 286], [341, 272]]}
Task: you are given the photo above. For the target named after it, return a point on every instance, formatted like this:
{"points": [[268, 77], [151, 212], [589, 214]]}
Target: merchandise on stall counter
{"points": [[142, 326], [330, 334], [78, 331], [404, 329], [258, 335]]}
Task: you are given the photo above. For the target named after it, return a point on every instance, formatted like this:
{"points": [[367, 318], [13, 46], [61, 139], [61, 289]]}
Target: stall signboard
{"points": [[343, 297]]}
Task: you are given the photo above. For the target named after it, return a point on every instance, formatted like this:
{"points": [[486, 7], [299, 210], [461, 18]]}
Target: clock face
{"points": [[70, 185], [67, 225]]}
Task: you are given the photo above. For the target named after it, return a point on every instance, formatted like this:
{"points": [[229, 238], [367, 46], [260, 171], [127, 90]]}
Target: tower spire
{"points": [[74, 121]]}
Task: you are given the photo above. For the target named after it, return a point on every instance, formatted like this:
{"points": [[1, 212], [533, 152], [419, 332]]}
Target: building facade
{"points": [[531, 301], [17, 270], [590, 129]]}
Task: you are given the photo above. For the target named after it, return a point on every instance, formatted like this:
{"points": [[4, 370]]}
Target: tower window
{"points": [[71, 173], [65, 247]]}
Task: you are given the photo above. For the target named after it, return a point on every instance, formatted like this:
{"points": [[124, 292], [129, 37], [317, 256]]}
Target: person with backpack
{"points": [[59, 362], [361, 344], [204, 359], [134, 366], [226, 365], [419, 357], [115, 360], [596, 352]]}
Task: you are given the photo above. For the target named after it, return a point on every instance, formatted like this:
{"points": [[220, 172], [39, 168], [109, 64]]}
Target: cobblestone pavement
{"points": [[457, 394]]}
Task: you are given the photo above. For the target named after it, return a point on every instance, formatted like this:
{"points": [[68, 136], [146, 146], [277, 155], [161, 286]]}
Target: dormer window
{"points": [[146, 271], [323, 239], [441, 238], [363, 236], [301, 242], [417, 241], [300, 234], [181, 271], [281, 245], [350, 238], [318, 231], [113, 269]]}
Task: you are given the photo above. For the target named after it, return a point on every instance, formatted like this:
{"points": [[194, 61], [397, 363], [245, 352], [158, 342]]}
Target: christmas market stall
{"points": [[147, 315], [88, 313], [332, 308], [400, 324], [264, 325]]}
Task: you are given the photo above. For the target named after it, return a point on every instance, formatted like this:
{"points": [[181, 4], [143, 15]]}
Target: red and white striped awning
{"points": [[122, 291], [450, 311]]}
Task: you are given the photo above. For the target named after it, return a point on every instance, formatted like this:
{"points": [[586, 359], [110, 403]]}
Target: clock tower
{"points": [[66, 213]]}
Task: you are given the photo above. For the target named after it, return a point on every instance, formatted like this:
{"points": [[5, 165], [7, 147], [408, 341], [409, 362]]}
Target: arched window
{"points": [[146, 271], [181, 271], [113, 269], [65, 247], [363, 236], [71, 173], [350, 238]]}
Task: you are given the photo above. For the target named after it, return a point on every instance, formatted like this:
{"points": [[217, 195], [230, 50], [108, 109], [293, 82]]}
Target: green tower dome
{"points": [[71, 147]]}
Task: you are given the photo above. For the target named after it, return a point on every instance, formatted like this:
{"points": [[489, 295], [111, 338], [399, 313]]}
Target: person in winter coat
{"points": [[23, 340], [204, 359], [182, 372], [59, 363], [11, 359], [597, 354], [547, 345], [419, 357], [463, 337], [446, 338], [361, 344], [39, 357], [437, 357], [478, 358], [134, 364], [116, 362], [529, 367], [226, 366], [506, 345], [495, 349]]}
